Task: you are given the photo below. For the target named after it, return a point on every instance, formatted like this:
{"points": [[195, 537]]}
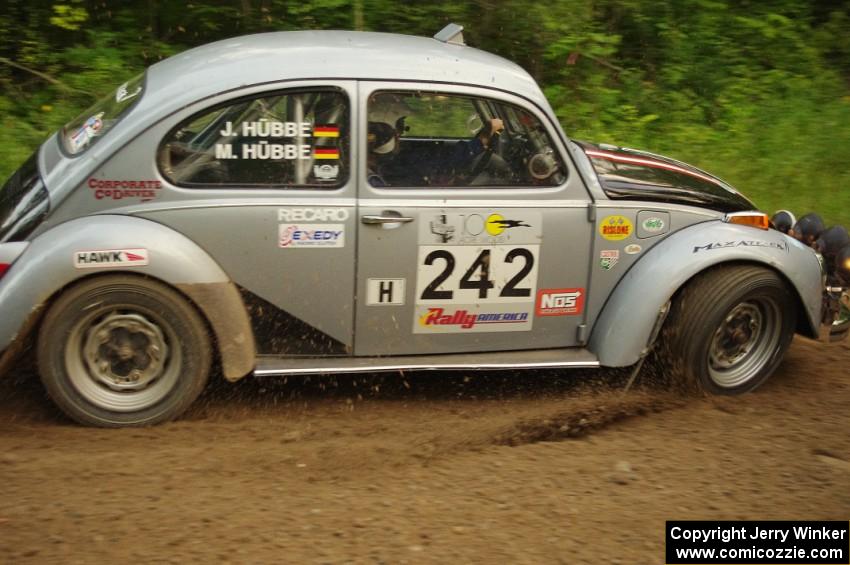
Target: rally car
{"points": [[322, 202]]}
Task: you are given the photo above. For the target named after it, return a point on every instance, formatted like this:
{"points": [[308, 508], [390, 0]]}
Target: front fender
{"points": [[49, 264], [624, 327]]}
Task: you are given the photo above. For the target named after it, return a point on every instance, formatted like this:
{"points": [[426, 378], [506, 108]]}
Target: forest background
{"points": [[754, 91]]}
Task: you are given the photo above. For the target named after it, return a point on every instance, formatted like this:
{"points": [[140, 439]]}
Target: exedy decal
{"points": [[780, 245], [311, 235]]}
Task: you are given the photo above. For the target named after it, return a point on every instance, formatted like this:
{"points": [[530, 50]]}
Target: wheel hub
{"points": [[125, 351], [737, 336]]}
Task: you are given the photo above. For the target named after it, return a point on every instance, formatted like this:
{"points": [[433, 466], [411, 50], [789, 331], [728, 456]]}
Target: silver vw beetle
{"points": [[320, 202]]}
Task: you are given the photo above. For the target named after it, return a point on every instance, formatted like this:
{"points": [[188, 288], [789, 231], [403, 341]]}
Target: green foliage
{"points": [[68, 17], [754, 91]]}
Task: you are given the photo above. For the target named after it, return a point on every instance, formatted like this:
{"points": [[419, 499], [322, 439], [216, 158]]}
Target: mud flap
{"points": [[222, 306]]}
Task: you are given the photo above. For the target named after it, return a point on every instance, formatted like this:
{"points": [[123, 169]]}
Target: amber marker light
{"points": [[752, 219]]}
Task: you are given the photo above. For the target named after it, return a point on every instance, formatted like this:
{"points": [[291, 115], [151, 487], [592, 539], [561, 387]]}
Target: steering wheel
{"points": [[480, 162]]}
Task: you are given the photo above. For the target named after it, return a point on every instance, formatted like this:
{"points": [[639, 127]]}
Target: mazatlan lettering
{"points": [[780, 245]]}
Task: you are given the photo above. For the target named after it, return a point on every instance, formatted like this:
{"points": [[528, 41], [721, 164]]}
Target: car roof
{"points": [[270, 57]]}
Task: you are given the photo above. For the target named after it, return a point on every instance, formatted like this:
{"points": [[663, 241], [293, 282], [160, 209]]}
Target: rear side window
{"points": [[292, 139], [87, 128]]}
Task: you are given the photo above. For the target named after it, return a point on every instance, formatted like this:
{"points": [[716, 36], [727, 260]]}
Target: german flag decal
{"points": [[326, 153], [326, 131]]}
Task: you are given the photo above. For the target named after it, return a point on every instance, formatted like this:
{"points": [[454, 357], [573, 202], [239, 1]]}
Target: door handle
{"points": [[373, 220]]}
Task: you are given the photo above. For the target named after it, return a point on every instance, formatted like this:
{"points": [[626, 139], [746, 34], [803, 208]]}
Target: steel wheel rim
{"points": [[745, 342], [100, 366]]}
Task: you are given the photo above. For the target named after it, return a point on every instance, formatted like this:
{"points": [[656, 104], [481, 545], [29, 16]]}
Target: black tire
{"points": [[728, 329], [121, 350]]}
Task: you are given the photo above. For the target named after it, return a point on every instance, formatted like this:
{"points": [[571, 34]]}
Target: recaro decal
{"points": [[312, 215]]}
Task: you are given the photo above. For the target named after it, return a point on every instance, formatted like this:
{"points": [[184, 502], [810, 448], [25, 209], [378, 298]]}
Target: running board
{"points": [[268, 366]]}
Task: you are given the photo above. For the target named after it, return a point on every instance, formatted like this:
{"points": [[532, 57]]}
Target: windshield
{"points": [[84, 131], [23, 202]]}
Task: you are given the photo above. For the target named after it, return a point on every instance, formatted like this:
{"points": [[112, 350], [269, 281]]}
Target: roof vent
{"points": [[452, 33]]}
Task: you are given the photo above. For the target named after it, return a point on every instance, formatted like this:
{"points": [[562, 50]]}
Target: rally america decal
{"points": [[477, 271], [269, 135], [105, 258], [473, 320]]}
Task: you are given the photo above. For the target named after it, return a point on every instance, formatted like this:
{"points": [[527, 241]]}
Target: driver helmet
{"points": [[386, 122], [382, 138]]}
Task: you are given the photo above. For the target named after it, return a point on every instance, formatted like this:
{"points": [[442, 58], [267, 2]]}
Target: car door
{"points": [[262, 180], [456, 255]]}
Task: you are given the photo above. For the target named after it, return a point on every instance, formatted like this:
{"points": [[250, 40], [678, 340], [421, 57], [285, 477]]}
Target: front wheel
{"points": [[120, 350], [729, 329]]}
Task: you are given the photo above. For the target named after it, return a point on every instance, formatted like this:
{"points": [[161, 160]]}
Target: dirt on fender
{"points": [[530, 467]]}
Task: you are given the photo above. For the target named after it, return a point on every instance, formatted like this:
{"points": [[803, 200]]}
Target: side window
{"points": [[422, 139], [294, 139]]}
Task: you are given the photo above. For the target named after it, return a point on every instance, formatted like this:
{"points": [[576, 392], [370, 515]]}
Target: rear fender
{"points": [[50, 263], [623, 330]]}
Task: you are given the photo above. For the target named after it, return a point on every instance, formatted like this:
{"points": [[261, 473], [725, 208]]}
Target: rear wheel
{"points": [[123, 351], [729, 329]]}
